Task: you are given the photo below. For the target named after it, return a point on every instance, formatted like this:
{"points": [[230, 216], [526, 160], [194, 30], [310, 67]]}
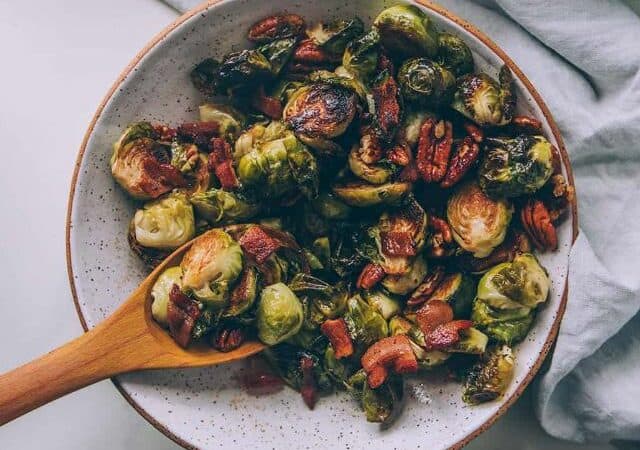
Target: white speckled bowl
{"points": [[205, 408]]}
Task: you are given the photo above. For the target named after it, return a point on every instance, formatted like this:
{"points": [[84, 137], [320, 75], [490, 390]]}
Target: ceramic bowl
{"points": [[206, 408]]}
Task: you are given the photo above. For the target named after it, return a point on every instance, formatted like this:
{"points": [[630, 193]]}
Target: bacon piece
{"points": [[446, 335], [433, 314], [276, 27], [338, 334], [390, 352], [397, 243], [165, 133], [371, 275], [259, 244], [199, 132], [269, 106], [221, 163], [464, 158], [160, 178], [182, 313], [386, 100], [427, 287], [308, 389]]}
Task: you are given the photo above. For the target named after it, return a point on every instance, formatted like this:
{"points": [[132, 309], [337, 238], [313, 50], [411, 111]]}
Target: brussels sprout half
{"points": [[223, 207], [425, 82], [229, 120], [365, 324], [242, 70], [160, 293], [383, 303], [166, 223], [364, 195], [279, 314], [335, 36], [512, 167], [403, 284], [490, 377], [481, 99], [378, 173], [406, 30], [478, 223], [454, 54], [210, 267], [278, 53], [330, 207], [361, 56], [320, 112]]}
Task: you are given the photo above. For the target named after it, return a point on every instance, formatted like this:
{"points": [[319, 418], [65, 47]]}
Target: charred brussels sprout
{"points": [[458, 290], [278, 53], [363, 195], [423, 81], [221, 207], [361, 56], [211, 266], [335, 36], [378, 173], [166, 223], [403, 284], [229, 120], [454, 54], [490, 377], [329, 207], [383, 404], [383, 303], [513, 285], [160, 293], [285, 359], [325, 301], [485, 101], [515, 166], [204, 76], [242, 69], [279, 314], [365, 324], [502, 325], [277, 164], [478, 223], [472, 341], [407, 31], [320, 112]]}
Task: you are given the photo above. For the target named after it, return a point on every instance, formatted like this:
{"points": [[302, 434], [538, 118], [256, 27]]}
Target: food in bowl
{"points": [[366, 205]]}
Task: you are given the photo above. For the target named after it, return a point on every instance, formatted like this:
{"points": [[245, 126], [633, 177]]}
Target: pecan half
{"points": [[462, 160], [309, 52], [427, 287], [441, 239], [336, 331], [370, 149], [537, 223], [391, 352], [400, 154], [371, 275], [228, 338], [276, 27], [434, 148]]}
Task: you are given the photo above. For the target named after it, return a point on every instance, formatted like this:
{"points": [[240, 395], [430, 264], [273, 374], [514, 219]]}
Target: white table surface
{"points": [[58, 60]]}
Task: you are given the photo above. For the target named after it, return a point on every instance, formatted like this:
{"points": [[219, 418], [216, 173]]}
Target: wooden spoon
{"points": [[126, 341]]}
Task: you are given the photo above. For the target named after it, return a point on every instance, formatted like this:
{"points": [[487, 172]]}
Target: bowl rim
{"points": [[434, 8]]}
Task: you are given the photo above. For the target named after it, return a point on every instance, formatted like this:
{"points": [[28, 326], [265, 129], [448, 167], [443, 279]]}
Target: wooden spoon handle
{"points": [[115, 346]]}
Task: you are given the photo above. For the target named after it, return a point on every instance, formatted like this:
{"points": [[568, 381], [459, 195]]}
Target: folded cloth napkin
{"points": [[583, 56]]}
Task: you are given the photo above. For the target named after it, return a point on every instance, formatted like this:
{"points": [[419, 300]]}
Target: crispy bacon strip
{"points": [[258, 244], [182, 313], [446, 335], [276, 27], [221, 163], [371, 275], [338, 334], [464, 158], [308, 389], [433, 314], [269, 106], [200, 133], [388, 112], [390, 352]]}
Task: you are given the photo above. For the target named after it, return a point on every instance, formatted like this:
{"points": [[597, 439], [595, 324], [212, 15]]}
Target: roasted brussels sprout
{"points": [[242, 70], [454, 54], [425, 82], [378, 173], [244, 294], [513, 285], [458, 290], [365, 324], [286, 359], [278, 53], [403, 229], [277, 164], [363, 195], [165, 223], [478, 223], [383, 303], [361, 56], [472, 341], [502, 325], [384, 404], [184, 157], [210, 267], [334, 37], [223, 207], [481, 99], [329, 207], [228, 118], [403, 284], [204, 76], [279, 314], [515, 166], [160, 293], [341, 78], [407, 31], [338, 369], [325, 301], [490, 377], [136, 167], [320, 112]]}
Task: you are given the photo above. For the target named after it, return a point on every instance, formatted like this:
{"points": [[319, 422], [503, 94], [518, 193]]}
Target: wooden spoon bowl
{"points": [[127, 341]]}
